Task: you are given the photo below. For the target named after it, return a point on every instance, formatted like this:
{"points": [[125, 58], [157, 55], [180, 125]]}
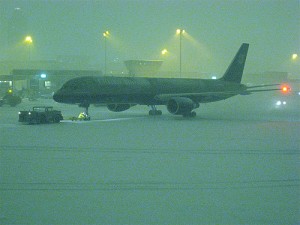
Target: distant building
{"points": [[41, 75], [46, 79], [143, 67], [266, 77]]}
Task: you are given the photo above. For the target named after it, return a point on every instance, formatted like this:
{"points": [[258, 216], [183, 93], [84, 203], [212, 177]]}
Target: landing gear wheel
{"points": [[155, 112], [56, 119], [190, 114]]}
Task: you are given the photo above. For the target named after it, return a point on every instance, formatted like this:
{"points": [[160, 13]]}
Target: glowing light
{"points": [[285, 89], [180, 31], [214, 77], [28, 39], [164, 51], [106, 34], [43, 75], [281, 103], [294, 56]]}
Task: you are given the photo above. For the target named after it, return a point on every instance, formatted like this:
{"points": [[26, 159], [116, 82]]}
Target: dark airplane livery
{"points": [[181, 96]]}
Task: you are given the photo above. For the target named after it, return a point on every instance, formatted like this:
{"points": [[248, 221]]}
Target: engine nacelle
{"points": [[118, 107], [181, 105]]}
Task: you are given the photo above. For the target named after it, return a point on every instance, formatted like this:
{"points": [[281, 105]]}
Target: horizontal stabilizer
{"points": [[262, 85], [284, 88]]}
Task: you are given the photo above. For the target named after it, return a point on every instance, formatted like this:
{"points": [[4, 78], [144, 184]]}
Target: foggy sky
{"points": [[140, 29]]}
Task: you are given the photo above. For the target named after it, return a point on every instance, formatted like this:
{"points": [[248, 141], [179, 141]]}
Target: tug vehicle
{"points": [[40, 114]]}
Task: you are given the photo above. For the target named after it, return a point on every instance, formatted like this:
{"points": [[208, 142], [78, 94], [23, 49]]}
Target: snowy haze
{"points": [[141, 29], [237, 162]]}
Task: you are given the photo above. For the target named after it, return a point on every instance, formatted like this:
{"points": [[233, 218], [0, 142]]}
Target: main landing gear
{"points": [[154, 111], [190, 114]]}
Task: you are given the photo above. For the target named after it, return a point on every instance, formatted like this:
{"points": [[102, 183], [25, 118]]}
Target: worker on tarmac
{"points": [[83, 116]]}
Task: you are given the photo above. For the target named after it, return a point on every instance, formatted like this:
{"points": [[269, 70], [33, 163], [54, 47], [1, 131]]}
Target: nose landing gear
{"points": [[84, 115]]}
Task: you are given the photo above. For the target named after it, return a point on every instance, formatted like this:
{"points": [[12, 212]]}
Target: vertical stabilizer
{"points": [[235, 70]]}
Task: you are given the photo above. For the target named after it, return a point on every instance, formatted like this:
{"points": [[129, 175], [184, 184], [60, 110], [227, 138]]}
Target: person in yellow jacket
{"points": [[83, 116]]}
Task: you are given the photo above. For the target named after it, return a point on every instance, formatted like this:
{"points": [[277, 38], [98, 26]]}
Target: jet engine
{"points": [[181, 106], [118, 107]]}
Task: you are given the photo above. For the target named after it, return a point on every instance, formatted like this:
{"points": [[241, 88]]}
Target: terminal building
{"points": [[48, 76], [40, 76], [143, 67]]}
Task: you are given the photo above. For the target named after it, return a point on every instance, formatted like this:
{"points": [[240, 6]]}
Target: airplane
{"points": [[180, 95]]}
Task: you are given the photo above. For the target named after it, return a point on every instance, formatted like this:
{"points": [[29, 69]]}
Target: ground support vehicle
{"points": [[40, 114], [11, 100]]}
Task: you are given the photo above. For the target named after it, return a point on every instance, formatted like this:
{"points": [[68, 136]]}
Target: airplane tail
{"points": [[235, 70]]}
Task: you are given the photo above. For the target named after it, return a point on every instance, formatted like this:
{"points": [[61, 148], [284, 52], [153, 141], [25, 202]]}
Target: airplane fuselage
{"points": [[142, 91]]}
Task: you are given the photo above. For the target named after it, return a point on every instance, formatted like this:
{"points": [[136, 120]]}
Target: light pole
{"points": [[180, 32], [105, 35], [28, 41]]}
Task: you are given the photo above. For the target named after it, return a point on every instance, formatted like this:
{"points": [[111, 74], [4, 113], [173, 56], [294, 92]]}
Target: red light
{"points": [[285, 89]]}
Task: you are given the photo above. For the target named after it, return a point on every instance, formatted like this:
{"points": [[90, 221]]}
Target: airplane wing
{"points": [[166, 97]]}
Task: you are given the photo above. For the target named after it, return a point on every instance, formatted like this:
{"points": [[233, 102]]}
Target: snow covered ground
{"points": [[237, 162]]}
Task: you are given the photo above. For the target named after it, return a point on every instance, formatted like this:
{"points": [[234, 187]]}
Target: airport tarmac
{"points": [[237, 162]]}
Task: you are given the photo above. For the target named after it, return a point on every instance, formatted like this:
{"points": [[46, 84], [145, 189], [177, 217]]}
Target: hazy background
{"points": [[237, 162], [140, 29]]}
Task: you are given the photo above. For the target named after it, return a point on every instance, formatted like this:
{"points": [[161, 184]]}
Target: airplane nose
{"points": [[57, 96]]}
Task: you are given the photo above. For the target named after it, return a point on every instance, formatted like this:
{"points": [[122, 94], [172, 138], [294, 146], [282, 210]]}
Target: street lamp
{"points": [[294, 56], [164, 51], [105, 35], [28, 41], [180, 32]]}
